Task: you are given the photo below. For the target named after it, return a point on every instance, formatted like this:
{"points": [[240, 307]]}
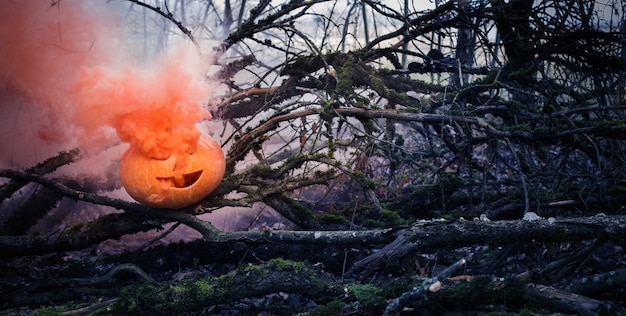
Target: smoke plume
{"points": [[67, 79]]}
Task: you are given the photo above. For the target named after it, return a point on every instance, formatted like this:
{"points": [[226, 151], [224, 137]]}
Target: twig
{"points": [[92, 308], [161, 236], [522, 176], [168, 15], [47, 166], [248, 28], [102, 280], [418, 293]]}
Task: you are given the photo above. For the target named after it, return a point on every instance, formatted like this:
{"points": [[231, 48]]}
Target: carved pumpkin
{"points": [[163, 184]]}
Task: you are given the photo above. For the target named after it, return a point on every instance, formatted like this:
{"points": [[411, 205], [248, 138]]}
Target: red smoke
{"points": [[61, 62]]}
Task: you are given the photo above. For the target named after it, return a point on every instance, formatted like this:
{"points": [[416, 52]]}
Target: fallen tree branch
{"points": [[598, 284], [277, 275], [98, 281], [80, 236], [437, 235], [89, 310], [419, 293], [47, 166], [38, 292], [420, 236], [567, 302]]}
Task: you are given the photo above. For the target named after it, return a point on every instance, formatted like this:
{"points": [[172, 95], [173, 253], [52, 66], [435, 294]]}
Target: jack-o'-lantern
{"points": [[167, 184]]}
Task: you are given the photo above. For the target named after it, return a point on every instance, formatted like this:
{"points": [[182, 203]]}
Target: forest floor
{"points": [[236, 278]]}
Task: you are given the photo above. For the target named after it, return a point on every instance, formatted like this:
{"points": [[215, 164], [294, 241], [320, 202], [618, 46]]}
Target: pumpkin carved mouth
{"points": [[180, 180]]}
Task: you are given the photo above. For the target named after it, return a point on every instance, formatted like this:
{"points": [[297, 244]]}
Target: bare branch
{"points": [[169, 16]]}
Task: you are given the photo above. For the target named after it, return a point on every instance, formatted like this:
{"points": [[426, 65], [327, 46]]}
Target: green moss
{"points": [[328, 111], [392, 218], [344, 77], [365, 180], [522, 73], [373, 223], [360, 101], [515, 106], [331, 309], [175, 298], [100, 225], [283, 265], [526, 312], [263, 170], [384, 219], [276, 265], [369, 296], [202, 289], [404, 99], [142, 299], [369, 126], [601, 123], [332, 219], [301, 212], [47, 311], [332, 147], [379, 85], [482, 290], [244, 268], [525, 128], [540, 130], [431, 196], [488, 78]]}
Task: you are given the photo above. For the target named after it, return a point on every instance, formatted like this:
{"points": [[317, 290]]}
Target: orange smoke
{"points": [[154, 110], [65, 58]]}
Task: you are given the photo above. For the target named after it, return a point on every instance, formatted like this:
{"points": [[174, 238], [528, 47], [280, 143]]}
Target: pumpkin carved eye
{"points": [[163, 183]]}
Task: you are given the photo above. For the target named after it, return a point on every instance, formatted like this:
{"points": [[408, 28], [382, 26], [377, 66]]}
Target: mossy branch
{"points": [[45, 167], [277, 275]]}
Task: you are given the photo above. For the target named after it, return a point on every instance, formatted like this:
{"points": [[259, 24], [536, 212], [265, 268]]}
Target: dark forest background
{"points": [[466, 156]]}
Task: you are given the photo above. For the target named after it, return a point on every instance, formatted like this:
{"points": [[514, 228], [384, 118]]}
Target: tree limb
{"points": [[436, 235], [49, 165], [168, 15]]}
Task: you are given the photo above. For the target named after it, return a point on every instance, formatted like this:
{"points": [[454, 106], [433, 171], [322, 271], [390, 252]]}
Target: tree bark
{"points": [[437, 235]]}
